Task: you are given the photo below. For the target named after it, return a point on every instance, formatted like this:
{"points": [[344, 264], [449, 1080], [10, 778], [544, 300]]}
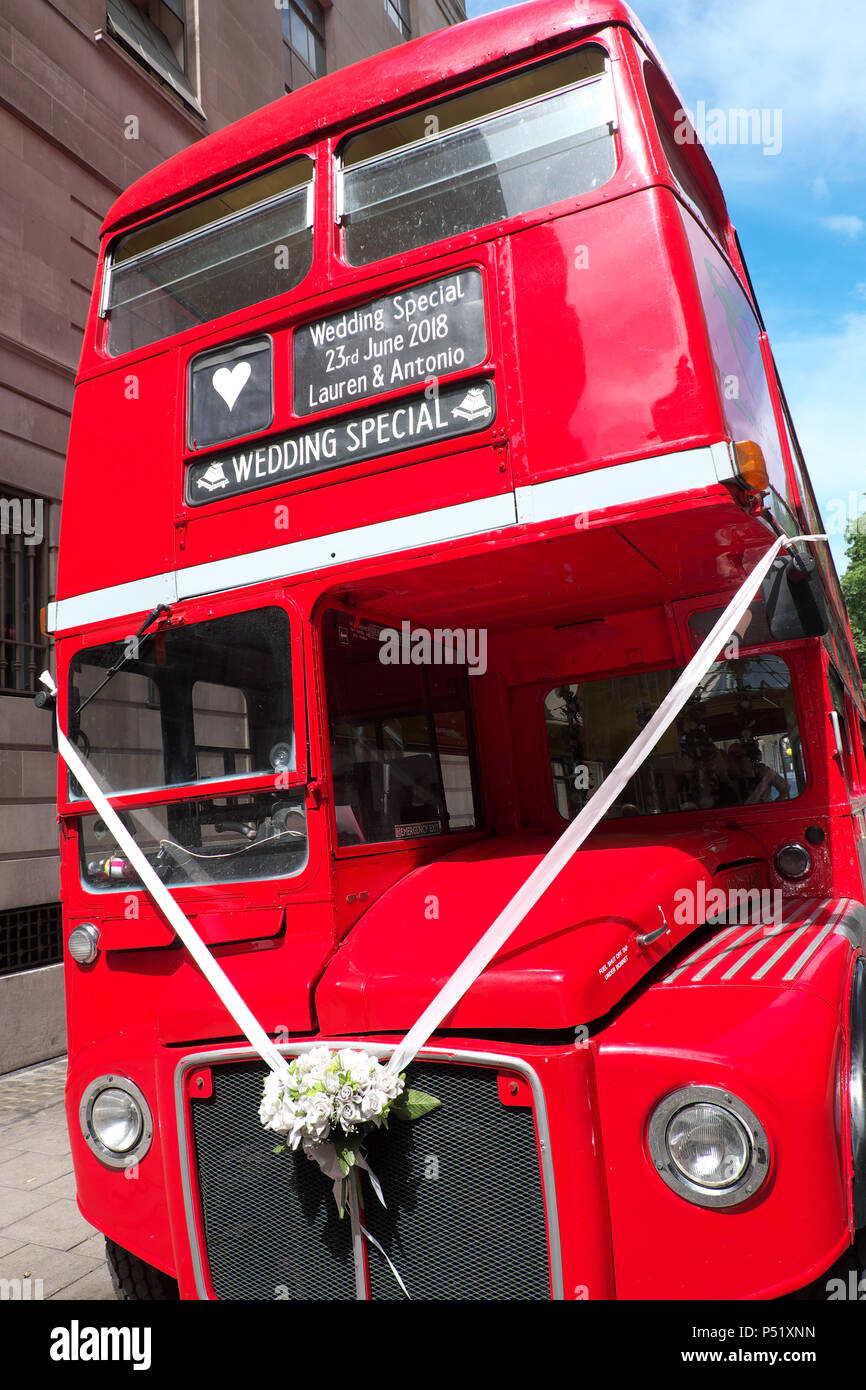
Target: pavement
{"points": [[43, 1235]]}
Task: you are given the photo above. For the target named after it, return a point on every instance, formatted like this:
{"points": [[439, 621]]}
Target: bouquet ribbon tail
{"points": [[357, 1224]]}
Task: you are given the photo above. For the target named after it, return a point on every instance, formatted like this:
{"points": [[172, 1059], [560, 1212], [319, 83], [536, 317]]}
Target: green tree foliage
{"points": [[854, 587]]}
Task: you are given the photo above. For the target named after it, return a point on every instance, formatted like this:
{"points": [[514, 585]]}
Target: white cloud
{"points": [[846, 224], [823, 378], [769, 54]]}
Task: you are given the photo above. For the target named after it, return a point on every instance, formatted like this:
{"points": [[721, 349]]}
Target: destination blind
{"points": [[416, 335], [464, 408]]}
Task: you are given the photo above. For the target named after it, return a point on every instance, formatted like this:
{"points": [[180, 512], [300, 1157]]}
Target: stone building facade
{"points": [[93, 93]]}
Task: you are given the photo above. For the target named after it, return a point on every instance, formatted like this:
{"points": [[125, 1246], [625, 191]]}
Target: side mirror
{"points": [[46, 700], [794, 599]]}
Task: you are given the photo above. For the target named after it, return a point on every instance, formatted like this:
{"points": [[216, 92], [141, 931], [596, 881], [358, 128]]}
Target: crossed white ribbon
{"points": [[511, 915]]}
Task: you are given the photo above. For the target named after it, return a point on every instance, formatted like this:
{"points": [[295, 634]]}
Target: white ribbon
{"points": [[543, 875], [358, 1225], [509, 919], [213, 973]]}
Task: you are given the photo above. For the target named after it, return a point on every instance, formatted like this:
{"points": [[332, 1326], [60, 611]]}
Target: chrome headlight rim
{"points": [[84, 931], [789, 847], [113, 1158], [750, 1180]]}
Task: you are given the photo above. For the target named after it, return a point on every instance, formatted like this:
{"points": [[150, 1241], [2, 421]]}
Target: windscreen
{"points": [[532, 139], [188, 704], [246, 244], [735, 743]]}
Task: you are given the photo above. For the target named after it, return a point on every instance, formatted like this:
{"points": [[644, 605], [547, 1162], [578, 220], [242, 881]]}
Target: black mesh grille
{"points": [[29, 937], [271, 1224], [465, 1214]]}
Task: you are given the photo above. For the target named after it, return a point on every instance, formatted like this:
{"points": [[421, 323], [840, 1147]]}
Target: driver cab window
{"points": [[400, 734]]}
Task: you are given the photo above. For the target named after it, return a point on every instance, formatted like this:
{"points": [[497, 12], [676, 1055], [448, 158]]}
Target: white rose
{"points": [[350, 1116], [373, 1103], [318, 1118]]}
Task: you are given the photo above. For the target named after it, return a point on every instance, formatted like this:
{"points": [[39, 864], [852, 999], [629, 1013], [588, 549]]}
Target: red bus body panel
{"points": [[599, 512]]}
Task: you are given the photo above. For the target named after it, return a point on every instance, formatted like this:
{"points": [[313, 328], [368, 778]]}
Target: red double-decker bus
{"points": [[425, 425]]}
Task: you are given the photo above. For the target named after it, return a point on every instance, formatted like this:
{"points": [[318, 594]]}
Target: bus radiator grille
{"points": [[465, 1212]]}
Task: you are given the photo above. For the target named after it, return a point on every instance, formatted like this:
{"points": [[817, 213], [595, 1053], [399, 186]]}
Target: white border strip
{"points": [[593, 490]]}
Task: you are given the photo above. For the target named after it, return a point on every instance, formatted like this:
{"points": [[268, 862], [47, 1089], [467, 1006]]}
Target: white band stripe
{"points": [[725, 954], [697, 955], [578, 494], [820, 938], [768, 932], [785, 947]]}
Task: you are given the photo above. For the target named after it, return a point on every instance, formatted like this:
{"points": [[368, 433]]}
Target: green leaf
{"points": [[280, 1148], [414, 1105], [345, 1156]]}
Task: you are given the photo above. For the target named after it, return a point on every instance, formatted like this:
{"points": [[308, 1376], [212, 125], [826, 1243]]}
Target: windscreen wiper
{"points": [[126, 657]]}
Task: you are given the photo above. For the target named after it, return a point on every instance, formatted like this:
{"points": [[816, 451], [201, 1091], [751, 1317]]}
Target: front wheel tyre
{"points": [[136, 1281]]}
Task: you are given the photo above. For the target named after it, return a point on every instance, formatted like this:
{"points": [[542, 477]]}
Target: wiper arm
{"points": [[126, 657]]}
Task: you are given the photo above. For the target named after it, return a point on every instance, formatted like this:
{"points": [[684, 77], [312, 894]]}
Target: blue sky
{"points": [[800, 213]]}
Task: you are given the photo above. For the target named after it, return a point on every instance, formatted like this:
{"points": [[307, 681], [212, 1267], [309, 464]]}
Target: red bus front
{"points": [[431, 424]]}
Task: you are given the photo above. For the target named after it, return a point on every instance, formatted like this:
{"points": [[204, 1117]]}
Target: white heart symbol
{"points": [[229, 384]]}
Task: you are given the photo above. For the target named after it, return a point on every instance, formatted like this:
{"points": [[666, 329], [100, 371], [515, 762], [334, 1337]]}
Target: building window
{"points": [[154, 32], [398, 11], [23, 591], [304, 35], [30, 937]]}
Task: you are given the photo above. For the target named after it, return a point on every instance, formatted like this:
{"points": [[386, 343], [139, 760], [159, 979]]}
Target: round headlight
{"points": [[83, 943], [793, 861], [708, 1146], [116, 1121]]}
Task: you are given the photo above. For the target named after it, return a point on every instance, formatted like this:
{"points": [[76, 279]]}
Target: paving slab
{"points": [[43, 1133], [16, 1206], [92, 1248], [33, 1169], [95, 1287], [30, 1090], [43, 1236], [56, 1268], [61, 1187], [59, 1225]]}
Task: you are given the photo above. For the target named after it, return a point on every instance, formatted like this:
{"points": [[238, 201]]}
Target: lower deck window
{"points": [[401, 743], [736, 742]]}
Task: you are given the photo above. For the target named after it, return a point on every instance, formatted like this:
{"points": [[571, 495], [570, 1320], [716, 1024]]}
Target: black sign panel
{"points": [[466, 408], [419, 334], [230, 393]]}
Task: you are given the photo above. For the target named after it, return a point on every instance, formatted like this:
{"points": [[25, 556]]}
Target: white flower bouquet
{"points": [[329, 1101]]}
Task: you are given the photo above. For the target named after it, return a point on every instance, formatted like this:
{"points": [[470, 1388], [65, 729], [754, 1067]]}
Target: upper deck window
{"points": [[248, 243], [736, 742], [509, 147]]}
